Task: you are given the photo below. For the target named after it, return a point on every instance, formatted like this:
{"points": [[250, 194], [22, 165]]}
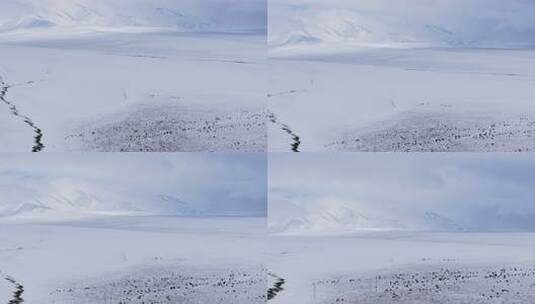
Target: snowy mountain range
{"points": [[470, 23], [333, 216], [66, 199], [180, 15]]}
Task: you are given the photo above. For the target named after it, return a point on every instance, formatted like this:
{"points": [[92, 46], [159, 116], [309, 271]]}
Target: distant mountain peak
{"points": [[183, 15], [69, 198], [435, 221], [382, 23]]}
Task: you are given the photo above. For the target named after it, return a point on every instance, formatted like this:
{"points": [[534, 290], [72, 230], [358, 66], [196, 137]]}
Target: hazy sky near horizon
{"points": [[477, 191], [221, 183], [516, 9], [469, 20], [238, 14]]}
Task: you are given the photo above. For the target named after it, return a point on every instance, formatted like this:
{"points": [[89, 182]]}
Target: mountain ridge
{"points": [[381, 23], [332, 216], [69, 199], [183, 15]]}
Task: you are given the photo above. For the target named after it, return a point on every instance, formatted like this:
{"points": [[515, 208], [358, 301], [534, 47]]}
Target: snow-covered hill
{"points": [[181, 15], [67, 198], [467, 23], [325, 217], [333, 216]]}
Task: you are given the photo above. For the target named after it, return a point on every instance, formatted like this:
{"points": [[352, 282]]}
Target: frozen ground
{"points": [[403, 267], [436, 284], [134, 260], [401, 99], [170, 285], [132, 90]]}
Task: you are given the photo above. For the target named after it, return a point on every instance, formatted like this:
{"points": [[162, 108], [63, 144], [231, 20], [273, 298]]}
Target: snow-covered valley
{"points": [[124, 76], [135, 260], [410, 76], [404, 100]]}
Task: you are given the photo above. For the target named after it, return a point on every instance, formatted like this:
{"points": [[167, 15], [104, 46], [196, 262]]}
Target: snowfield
{"points": [[135, 92], [377, 76], [404, 100], [165, 285], [404, 267], [134, 260], [133, 76], [438, 284]]}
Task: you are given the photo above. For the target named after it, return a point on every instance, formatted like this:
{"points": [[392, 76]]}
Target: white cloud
{"points": [[436, 22], [475, 191], [216, 184], [186, 15]]}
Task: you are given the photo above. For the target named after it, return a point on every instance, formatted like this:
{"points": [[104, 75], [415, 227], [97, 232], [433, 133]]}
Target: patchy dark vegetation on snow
{"points": [[441, 284], [442, 132], [176, 129], [232, 286]]}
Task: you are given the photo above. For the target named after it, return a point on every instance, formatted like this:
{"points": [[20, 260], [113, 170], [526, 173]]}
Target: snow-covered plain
{"points": [[410, 76], [401, 228], [133, 76], [404, 267], [132, 228], [134, 260]]}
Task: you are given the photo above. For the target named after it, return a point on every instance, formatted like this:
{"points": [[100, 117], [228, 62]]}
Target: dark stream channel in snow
{"points": [[295, 138], [38, 137], [17, 292], [277, 287]]}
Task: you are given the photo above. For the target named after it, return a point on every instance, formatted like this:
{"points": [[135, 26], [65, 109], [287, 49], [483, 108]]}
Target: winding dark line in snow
{"points": [[17, 293], [228, 61], [38, 138], [464, 72], [277, 286], [137, 56], [296, 139], [281, 93]]}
